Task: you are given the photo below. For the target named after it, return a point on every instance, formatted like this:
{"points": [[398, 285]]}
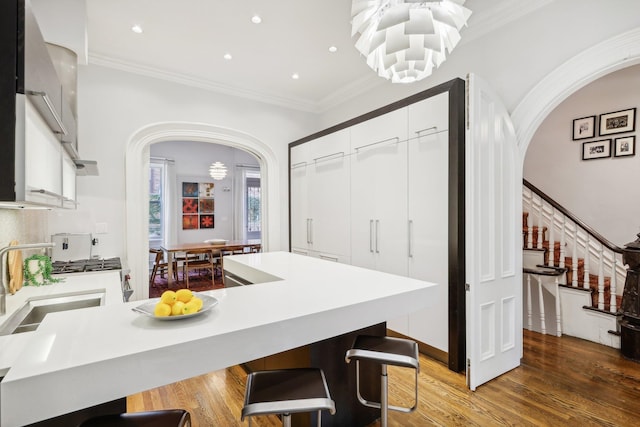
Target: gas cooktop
{"points": [[82, 265]]}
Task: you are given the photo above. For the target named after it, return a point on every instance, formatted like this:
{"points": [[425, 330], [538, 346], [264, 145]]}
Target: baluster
{"points": [[601, 277], [558, 315], [552, 245], [530, 227], [587, 252], [543, 321], [540, 226], [614, 284], [574, 258], [563, 241], [529, 309]]}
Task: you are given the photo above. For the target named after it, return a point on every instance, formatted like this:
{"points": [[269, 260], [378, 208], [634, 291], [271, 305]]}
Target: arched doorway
{"points": [[136, 170], [611, 55]]}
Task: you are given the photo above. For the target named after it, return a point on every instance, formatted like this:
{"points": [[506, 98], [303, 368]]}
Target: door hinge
{"points": [[468, 375], [467, 287]]}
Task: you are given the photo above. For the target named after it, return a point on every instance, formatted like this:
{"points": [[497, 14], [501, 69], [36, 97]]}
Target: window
{"points": [[156, 220], [253, 203]]}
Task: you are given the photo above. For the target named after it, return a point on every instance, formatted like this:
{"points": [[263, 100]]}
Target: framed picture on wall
{"points": [[189, 189], [596, 149], [618, 122], [207, 221], [189, 222], [584, 127], [625, 146]]}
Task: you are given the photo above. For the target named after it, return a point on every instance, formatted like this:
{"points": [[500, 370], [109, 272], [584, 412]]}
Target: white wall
{"points": [[515, 57], [113, 105], [192, 161], [604, 193]]}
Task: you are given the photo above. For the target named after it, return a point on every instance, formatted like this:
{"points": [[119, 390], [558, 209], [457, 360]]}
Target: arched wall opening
{"points": [[136, 183], [606, 57]]}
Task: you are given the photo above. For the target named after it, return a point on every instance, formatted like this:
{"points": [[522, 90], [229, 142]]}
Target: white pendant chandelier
{"points": [[404, 40], [218, 171]]}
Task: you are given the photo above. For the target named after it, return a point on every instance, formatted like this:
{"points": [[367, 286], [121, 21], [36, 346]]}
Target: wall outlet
{"points": [[101, 228]]}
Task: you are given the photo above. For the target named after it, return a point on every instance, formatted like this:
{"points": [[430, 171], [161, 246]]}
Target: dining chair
{"points": [[160, 266], [200, 259]]}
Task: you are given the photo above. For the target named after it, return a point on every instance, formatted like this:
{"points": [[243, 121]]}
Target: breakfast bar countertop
{"points": [[105, 353]]}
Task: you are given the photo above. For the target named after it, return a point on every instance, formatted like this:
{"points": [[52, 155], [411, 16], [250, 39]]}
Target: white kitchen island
{"points": [[81, 358]]}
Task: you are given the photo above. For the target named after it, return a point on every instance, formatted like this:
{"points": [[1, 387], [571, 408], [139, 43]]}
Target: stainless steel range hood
{"points": [[86, 167]]}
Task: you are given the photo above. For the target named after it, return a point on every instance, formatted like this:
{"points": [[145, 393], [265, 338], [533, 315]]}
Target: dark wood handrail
{"points": [[572, 217]]}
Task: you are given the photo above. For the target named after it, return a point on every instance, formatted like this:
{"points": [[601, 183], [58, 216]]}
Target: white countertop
{"points": [[77, 283], [105, 353]]}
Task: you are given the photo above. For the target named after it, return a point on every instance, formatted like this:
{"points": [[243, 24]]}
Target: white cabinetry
{"points": [[402, 178], [428, 192], [320, 197], [378, 193], [43, 160], [68, 180]]}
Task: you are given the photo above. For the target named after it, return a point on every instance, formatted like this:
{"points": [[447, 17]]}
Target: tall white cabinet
{"points": [[378, 195], [319, 177], [386, 192]]}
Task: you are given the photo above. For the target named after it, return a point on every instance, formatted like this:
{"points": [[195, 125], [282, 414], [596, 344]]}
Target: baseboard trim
{"points": [[426, 349]]}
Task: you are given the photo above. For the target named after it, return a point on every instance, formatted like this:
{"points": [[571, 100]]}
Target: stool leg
{"points": [[384, 396], [286, 420]]}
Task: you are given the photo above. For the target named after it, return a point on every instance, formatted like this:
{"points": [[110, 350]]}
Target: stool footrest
{"points": [[288, 407]]}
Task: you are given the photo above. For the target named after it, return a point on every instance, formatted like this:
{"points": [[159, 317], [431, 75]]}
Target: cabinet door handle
{"points": [[328, 156], [308, 231], [329, 258], [377, 234], [397, 139], [371, 235], [434, 128], [52, 110], [311, 230], [410, 237], [298, 165]]}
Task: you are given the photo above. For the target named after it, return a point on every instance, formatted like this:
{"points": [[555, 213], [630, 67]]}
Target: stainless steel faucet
{"points": [[3, 290]]}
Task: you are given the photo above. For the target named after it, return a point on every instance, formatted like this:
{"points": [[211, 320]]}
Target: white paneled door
{"points": [[493, 251]]}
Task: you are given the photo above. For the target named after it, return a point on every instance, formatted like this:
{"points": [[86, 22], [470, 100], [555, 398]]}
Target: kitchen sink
{"points": [[31, 314]]}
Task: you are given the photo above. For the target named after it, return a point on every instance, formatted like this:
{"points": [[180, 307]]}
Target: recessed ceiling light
{"points": [[256, 19], [227, 56], [295, 76], [137, 29], [333, 49]]}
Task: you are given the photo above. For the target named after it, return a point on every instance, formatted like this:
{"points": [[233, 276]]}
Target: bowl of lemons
{"points": [[174, 305]]}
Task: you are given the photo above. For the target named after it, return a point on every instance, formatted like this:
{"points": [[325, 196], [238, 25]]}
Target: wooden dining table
{"points": [[252, 245]]}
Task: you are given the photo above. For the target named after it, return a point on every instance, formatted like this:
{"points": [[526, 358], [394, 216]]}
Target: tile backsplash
{"points": [[25, 226]]}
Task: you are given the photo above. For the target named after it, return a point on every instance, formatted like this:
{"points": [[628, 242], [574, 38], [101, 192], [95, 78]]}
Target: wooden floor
{"points": [[561, 382]]}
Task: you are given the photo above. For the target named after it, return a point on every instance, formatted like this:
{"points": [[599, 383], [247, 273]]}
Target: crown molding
{"points": [[349, 91], [130, 67], [499, 16]]}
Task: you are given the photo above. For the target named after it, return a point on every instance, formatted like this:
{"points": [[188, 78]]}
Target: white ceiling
{"points": [[185, 41]]}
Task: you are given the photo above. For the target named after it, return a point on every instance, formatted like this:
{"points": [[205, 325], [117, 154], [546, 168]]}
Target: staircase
{"points": [[578, 273]]}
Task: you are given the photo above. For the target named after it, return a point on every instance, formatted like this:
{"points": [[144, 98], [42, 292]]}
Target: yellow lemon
{"points": [[184, 295], [198, 302], [168, 297], [162, 310], [176, 308], [190, 307]]}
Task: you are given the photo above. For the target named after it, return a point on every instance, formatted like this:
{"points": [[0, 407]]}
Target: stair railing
{"points": [[580, 238]]}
